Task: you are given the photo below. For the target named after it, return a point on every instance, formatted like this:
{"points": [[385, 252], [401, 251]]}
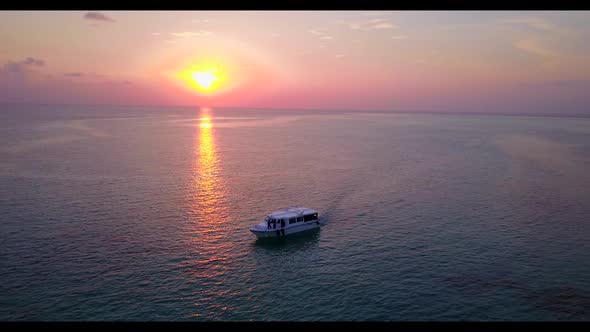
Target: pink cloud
{"points": [[97, 17]]}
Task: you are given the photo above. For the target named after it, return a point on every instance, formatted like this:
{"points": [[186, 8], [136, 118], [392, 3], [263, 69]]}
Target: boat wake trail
{"points": [[337, 203]]}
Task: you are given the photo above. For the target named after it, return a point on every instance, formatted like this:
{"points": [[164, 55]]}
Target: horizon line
{"points": [[397, 111]]}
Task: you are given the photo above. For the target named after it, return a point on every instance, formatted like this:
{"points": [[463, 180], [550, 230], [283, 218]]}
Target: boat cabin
{"points": [[291, 216], [286, 221]]}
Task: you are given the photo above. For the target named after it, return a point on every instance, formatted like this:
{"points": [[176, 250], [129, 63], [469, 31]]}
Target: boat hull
{"points": [[270, 233]]}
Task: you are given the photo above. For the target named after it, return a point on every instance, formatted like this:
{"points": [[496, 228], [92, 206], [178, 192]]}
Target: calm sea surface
{"points": [[113, 213]]}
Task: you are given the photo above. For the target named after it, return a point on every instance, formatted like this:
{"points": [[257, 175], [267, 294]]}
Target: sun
{"points": [[204, 79]]}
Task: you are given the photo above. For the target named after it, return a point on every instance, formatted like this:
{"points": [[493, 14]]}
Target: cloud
{"points": [[320, 34], [205, 21], [188, 34], [76, 74], [533, 47], [372, 24], [399, 37], [531, 22], [200, 21], [383, 26], [378, 13], [34, 62], [12, 68], [20, 69], [553, 46], [156, 33], [98, 17]]}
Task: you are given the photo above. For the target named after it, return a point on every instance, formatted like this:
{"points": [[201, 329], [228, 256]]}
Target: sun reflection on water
{"points": [[207, 164], [208, 203], [213, 248], [206, 122], [210, 187]]}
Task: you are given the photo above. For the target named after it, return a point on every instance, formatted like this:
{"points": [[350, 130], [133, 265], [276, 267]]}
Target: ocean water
{"points": [[114, 213]]}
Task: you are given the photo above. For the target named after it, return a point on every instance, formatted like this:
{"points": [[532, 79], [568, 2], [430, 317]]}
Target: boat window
{"points": [[310, 217], [300, 219], [292, 220]]}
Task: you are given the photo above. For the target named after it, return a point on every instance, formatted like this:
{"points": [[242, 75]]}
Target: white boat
{"points": [[287, 221]]}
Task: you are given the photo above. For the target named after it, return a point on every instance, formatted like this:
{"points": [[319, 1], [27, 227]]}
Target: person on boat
{"points": [[282, 223], [268, 223], [274, 224]]}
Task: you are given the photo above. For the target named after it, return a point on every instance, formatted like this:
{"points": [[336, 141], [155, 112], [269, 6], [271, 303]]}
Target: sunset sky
{"points": [[432, 61]]}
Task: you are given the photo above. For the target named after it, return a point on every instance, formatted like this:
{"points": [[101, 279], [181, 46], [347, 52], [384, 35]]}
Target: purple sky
{"points": [[525, 62]]}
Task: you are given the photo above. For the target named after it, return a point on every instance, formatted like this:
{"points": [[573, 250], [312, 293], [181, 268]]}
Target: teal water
{"points": [[113, 213]]}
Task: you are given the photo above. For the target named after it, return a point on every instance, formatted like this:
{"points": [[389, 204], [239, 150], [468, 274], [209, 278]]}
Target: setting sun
{"points": [[204, 80]]}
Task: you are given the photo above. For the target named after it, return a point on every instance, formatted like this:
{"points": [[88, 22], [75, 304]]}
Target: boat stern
{"points": [[260, 230]]}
